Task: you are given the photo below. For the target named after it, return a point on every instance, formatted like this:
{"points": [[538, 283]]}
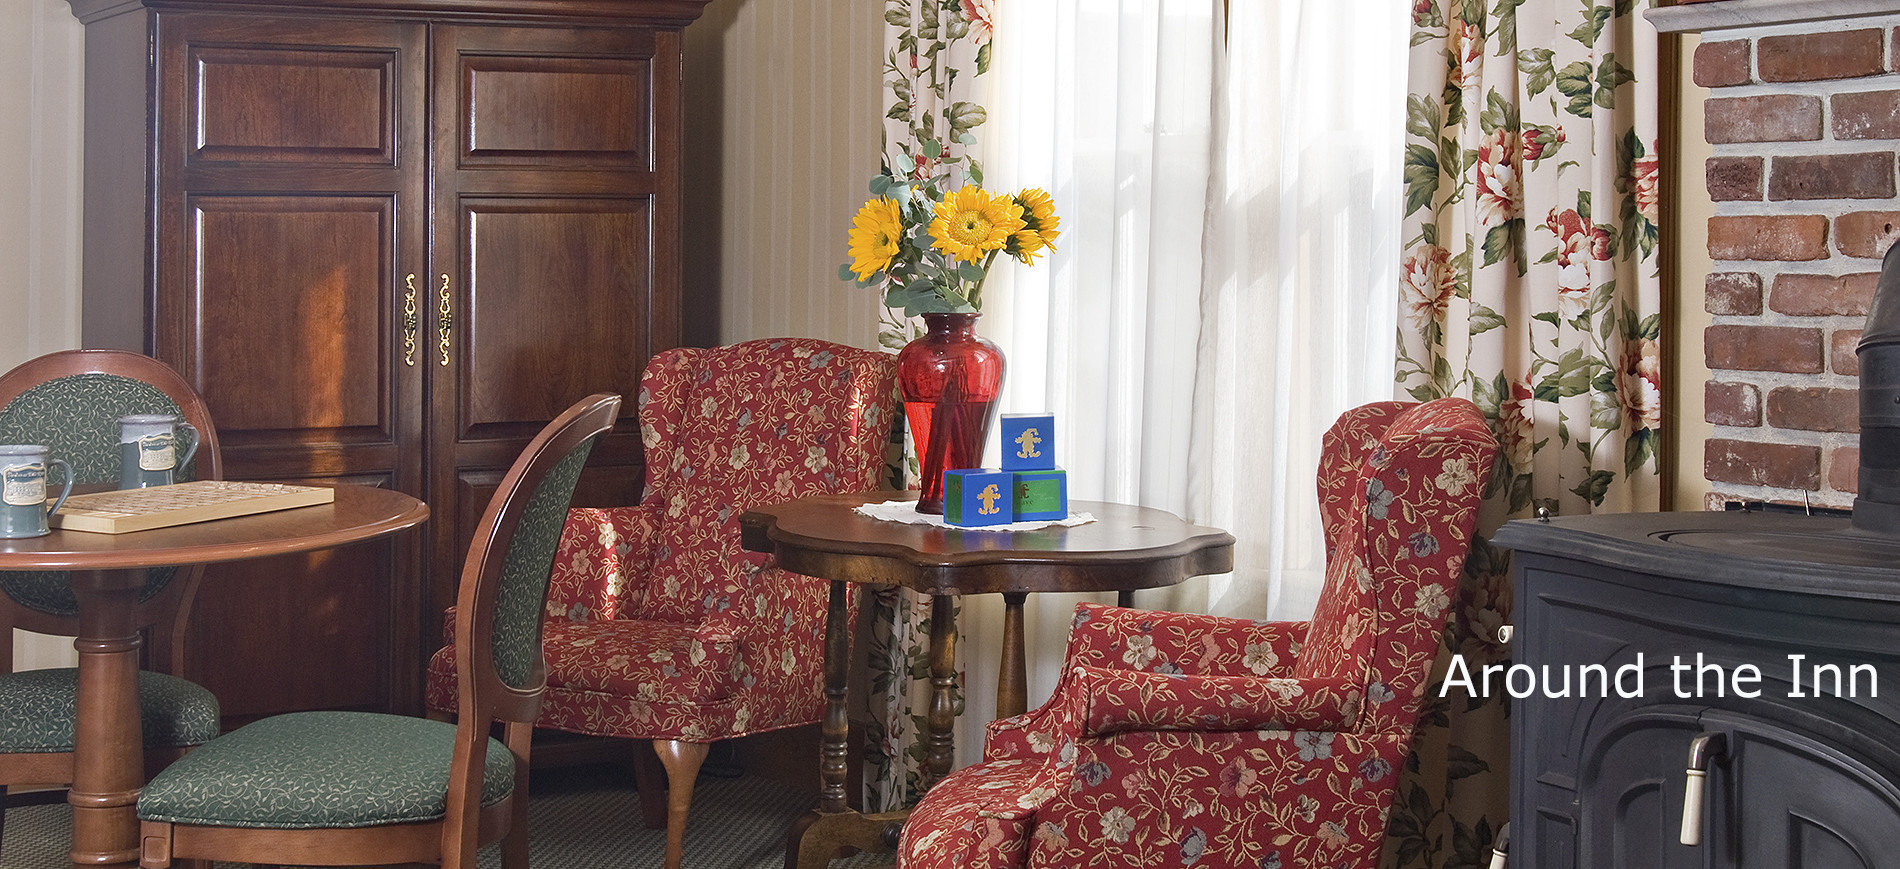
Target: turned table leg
{"points": [[1012, 681], [108, 750]]}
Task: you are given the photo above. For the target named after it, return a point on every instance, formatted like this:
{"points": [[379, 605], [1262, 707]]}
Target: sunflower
{"points": [[874, 235], [970, 222], [1039, 226]]}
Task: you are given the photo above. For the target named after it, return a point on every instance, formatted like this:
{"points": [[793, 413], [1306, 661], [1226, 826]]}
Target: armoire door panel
{"points": [[557, 111], [284, 104], [290, 315], [324, 644], [556, 309]]}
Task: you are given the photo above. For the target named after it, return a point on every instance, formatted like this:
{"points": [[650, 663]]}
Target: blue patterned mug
{"points": [[148, 449], [23, 509]]}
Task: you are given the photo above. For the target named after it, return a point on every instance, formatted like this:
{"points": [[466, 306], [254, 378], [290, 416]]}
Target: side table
{"points": [[1125, 549]]}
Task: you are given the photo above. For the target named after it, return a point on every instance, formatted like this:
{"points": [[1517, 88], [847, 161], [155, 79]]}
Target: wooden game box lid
{"points": [[125, 510]]}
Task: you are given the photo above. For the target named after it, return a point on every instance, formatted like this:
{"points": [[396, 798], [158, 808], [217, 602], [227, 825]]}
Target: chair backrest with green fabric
{"points": [[505, 579], [71, 401]]}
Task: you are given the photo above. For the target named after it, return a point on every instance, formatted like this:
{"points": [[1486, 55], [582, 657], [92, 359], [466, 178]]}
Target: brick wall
{"points": [[1804, 125]]}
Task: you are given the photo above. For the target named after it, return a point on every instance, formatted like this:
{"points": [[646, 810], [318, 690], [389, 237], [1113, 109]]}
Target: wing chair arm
{"points": [[1122, 700], [1113, 637], [601, 562]]}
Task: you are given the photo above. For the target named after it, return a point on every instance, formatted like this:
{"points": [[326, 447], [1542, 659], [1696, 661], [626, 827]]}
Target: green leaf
{"points": [[1428, 232], [1484, 319], [1535, 65], [1592, 27], [1497, 113], [1638, 450], [1594, 488], [1484, 394], [1424, 392], [1548, 317], [1497, 244], [933, 148], [1650, 328], [1574, 81], [964, 115], [1584, 198], [1461, 763], [1421, 117], [1505, 13], [880, 184], [983, 58], [1421, 177], [1610, 76]]}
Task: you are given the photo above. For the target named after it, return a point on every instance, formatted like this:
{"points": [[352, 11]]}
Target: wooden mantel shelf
{"points": [[1726, 14]]}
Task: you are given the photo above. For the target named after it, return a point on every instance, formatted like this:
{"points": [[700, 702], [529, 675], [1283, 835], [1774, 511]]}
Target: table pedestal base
{"points": [[108, 760]]}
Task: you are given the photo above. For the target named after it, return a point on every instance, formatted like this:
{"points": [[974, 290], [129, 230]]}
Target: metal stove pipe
{"points": [[1877, 506]]}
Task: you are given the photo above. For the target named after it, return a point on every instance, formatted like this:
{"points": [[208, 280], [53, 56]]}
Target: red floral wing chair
{"points": [[1192, 740], [658, 626]]}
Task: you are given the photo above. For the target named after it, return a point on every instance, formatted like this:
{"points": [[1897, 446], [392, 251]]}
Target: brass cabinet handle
{"points": [[1703, 750], [445, 319], [410, 322]]}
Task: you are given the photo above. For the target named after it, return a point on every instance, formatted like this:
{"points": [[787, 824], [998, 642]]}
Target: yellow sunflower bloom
{"points": [[971, 222], [1039, 226], [874, 237]]}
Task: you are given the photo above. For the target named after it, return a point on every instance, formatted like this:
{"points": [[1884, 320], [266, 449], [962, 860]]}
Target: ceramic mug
{"points": [[148, 449], [23, 509]]}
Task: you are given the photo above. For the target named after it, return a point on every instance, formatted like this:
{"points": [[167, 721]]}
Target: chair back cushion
{"points": [[1400, 485], [515, 635], [731, 428]]}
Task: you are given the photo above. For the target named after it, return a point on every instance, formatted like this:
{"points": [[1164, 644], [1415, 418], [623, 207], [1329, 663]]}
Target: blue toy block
{"points": [[974, 497], [1041, 495], [1029, 441]]}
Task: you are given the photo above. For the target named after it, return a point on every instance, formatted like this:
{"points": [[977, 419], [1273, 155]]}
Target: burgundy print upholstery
{"points": [[1192, 740], [658, 625]]}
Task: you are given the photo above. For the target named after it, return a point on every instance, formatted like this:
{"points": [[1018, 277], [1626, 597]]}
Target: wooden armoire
{"points": [[388, 240]]}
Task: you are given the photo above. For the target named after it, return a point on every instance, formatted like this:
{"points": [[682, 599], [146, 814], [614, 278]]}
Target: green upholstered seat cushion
{"points": [[37, 708], [319, 770]]}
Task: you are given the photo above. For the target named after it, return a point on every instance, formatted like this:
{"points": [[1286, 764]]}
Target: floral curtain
{"points": [[1530, 284], [935, 50]]}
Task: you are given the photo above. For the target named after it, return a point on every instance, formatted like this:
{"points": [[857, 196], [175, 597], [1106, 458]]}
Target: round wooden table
{"points": [[1124, 549], [107, 574]]}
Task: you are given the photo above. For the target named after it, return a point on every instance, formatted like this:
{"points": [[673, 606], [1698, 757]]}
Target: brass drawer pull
{"points": [[445, 320], [410, 322]]}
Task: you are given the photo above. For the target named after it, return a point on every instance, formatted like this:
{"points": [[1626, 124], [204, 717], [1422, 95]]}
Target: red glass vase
{"points": [[950, 380]]}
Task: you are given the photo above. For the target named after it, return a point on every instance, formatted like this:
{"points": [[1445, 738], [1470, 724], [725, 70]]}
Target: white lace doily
{"points": [[906, 512]]}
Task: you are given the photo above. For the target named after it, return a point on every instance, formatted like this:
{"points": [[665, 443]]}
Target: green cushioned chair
{"points": [[351, 788], [71, 401]]}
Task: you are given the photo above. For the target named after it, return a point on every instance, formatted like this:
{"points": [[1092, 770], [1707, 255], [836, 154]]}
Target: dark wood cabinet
{"points": [[1809, 770], [388, 241]]}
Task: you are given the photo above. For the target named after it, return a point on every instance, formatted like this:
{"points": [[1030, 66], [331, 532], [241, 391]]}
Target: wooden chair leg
{"points": [[514, 844], [682, 760], [650, 778]]}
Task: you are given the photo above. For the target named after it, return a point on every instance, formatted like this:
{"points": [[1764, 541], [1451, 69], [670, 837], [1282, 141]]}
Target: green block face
{"points": [[1042, 494]]}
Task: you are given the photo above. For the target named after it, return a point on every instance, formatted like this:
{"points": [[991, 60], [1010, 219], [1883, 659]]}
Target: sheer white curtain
{"points": [[1225, 283]]}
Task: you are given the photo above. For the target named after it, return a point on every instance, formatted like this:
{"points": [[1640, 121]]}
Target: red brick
{"points": [[1814, 408], [1721, 64], [1843, 355], [1783, 466], [1762, 348], [1732, 293], [1823, 295], [1867, 115], [1819, 56], [1843, 469], [1731, 404], [1787, 238], [1832, 176], [1771, 118], [1734, 178], [1866, 233]]}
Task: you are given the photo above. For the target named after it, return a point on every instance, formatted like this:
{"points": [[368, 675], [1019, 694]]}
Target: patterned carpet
{"points": [[585, 817]]}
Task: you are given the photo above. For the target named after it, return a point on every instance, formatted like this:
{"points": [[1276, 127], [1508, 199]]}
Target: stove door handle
{"points": [[1704, 749]]}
